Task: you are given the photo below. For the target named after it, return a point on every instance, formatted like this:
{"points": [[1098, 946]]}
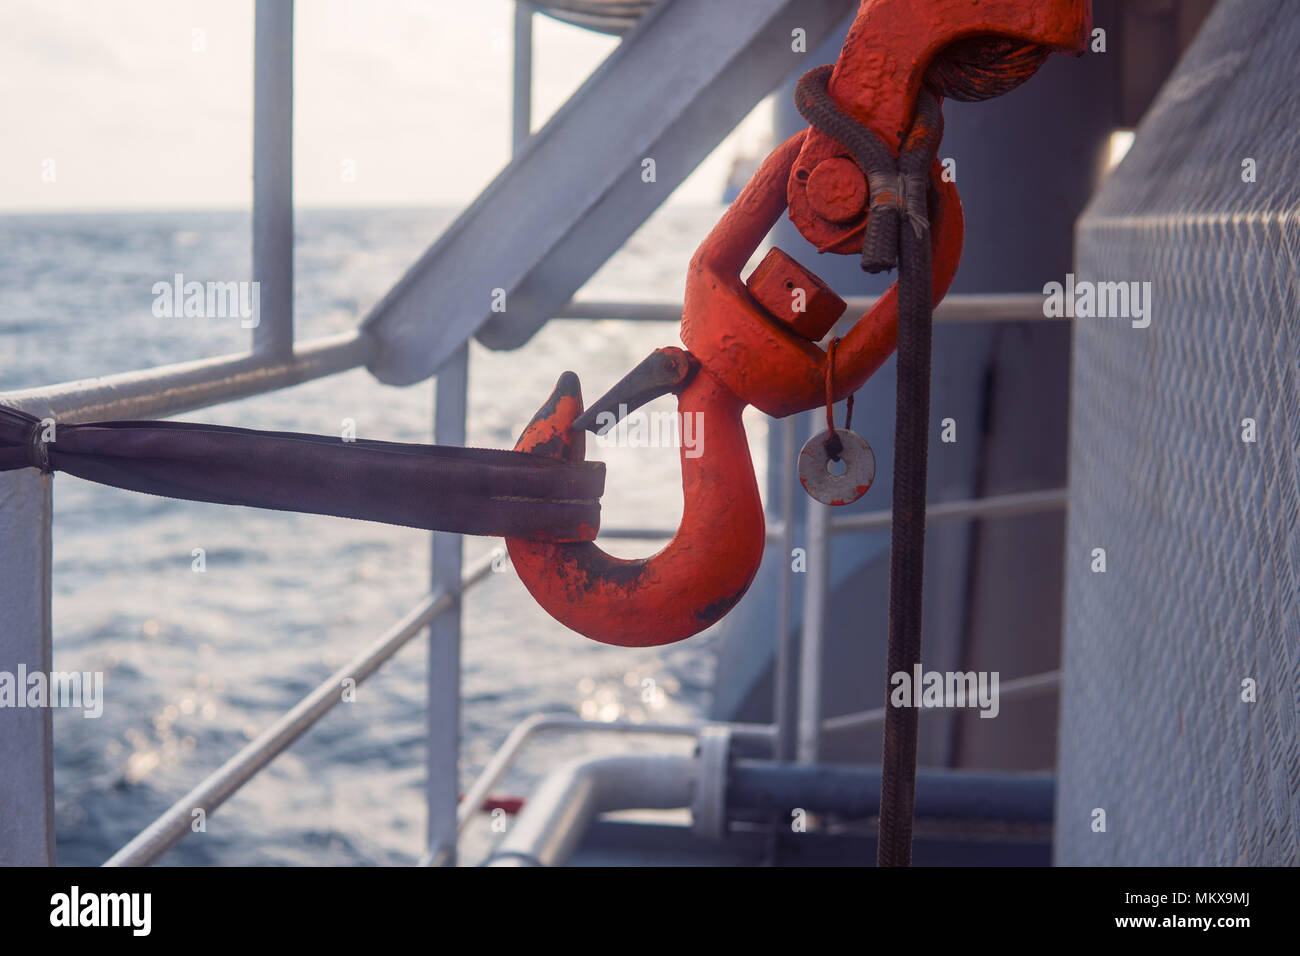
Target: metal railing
{"points": [[169, 390], [275, 361], [222, 783]]}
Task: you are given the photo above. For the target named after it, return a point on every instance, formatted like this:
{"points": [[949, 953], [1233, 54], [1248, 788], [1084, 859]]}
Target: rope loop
{"points": [[898, 188]]}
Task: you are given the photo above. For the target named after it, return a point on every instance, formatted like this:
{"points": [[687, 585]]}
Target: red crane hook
{"points": [[706, 568], [749, 348], [709, 564]]}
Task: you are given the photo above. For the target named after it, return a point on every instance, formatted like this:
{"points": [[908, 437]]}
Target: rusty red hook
{"points": [[706, 568], [748, 347]]}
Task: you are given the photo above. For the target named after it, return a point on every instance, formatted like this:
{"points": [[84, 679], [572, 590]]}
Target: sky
{"points": [[147, 104]]}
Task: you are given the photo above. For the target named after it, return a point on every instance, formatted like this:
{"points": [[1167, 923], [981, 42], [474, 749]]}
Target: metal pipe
{"points": [[273, 177], [997, 506], [522, 109], [184, 386], [979, 307], [855, 792], [26, 733], [1030, 686], [223, 783], [1009, 307], [553, 821], [442, 787], [451, 398], [524, 731], [786, 677], [812, 639]]}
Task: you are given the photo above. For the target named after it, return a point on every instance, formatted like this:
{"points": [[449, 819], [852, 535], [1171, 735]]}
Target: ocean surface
{"points": [[196, 664]]}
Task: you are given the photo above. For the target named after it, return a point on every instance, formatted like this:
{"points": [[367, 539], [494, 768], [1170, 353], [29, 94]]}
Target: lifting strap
{"points": [[434, 487]]}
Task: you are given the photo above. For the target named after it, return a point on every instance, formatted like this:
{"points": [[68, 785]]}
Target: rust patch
{"points": [[554, 447], [567, 386], [711, 613], [600, 570]]}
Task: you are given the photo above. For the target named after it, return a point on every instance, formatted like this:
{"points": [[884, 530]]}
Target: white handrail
{"points": [[222, 783]]}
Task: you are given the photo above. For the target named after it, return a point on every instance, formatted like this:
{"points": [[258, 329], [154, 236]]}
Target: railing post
{"points": [[443, 787], [451, 401], [273, 176], [812, 640], [26, 733], [522, 112], [786, 696]]}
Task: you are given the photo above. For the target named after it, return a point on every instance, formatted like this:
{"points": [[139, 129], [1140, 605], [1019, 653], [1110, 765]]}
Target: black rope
{"points": [[982, 67], [904, 212], [907, 538], [434, 487], [814, 103]]}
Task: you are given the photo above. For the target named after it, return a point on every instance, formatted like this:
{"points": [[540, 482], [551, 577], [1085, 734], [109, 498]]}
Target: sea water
{"points": [[196, 662]]}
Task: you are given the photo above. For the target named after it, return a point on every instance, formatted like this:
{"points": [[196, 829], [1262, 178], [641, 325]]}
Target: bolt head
{"points": [[837, 190]]}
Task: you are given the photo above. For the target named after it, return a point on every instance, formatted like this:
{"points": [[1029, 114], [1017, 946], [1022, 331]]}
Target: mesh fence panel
{"points": [[1199, 527]]}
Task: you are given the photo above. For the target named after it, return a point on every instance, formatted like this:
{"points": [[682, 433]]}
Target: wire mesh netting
{"points": [[1201, 593]]}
